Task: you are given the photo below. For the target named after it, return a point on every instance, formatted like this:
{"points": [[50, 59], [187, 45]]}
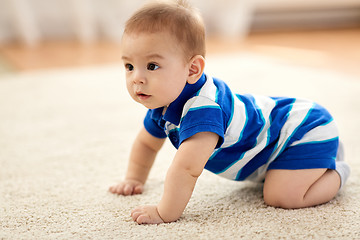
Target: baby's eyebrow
{"points": [[125, 58], [154, 55], [150, 56]]}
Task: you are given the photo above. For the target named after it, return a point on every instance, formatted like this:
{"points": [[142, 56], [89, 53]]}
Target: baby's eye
{"points": [[152, 66], [129, 67]]}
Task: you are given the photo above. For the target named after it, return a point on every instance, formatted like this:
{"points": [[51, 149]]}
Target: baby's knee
{"points": [[283, 198]]}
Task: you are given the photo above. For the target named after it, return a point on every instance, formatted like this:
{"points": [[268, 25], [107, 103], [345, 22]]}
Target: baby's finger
{"points": [[128, 190], [118, 189], [138, 189], [111, 189], [143, 219], [136, 213], [115, 189]]}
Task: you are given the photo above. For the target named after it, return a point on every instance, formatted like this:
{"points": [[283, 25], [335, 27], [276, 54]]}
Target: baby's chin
{"points": [[150, 106]]}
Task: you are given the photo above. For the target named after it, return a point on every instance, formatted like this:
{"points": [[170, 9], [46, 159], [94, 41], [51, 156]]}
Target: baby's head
{"points": [[177, 18], [163, 49]]}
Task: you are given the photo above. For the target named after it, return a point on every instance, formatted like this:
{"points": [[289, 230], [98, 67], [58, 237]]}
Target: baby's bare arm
{"points": [[142, 157], [180, 180]]}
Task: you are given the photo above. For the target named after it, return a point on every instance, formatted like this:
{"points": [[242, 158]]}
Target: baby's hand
{"points": [[146, 215], [127, 187]]}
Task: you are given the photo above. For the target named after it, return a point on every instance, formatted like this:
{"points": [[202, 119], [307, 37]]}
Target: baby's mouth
{"points": [[142, 96]]}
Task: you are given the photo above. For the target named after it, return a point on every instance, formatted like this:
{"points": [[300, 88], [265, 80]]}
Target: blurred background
{"points": [[42, 34]]}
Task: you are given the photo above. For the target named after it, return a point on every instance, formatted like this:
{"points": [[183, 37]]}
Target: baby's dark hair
{"points": [[177, 18]]}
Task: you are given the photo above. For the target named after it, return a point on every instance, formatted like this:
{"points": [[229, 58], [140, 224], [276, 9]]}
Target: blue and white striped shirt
{"points": [[256, 133]]}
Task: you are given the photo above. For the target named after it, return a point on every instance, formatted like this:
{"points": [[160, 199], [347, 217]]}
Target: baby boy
{"points": [[290, 144]]}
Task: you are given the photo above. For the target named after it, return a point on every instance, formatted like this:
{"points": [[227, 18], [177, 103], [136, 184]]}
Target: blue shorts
{"points": [[308, 156]]}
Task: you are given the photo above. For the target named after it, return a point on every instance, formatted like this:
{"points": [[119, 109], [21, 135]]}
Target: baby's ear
{"points": [[196, 69]]}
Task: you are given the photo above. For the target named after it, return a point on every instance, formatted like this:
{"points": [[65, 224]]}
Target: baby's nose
{"points": [[139, 78]]}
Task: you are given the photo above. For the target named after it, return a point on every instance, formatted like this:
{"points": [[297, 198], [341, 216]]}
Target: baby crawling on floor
{"points": [[290, 144]]}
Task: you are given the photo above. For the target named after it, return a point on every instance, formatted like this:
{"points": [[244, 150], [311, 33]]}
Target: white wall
{"points": [[31, 21]]}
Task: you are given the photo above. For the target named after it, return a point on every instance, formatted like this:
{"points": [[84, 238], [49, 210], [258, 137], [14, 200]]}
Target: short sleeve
{"points": [[207, 119]]}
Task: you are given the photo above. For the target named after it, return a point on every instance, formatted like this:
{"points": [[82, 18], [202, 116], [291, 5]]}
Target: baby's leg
{"points": [[300, 188]]}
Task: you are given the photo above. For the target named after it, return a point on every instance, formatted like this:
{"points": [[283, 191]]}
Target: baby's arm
{"points": [[181, 177], [142, 157]]}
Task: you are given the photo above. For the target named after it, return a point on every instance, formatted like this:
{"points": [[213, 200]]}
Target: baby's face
{"points": [[156, 72]]}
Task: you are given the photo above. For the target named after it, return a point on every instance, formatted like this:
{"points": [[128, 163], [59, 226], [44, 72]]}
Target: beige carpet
{"points": [[65, 136]]}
